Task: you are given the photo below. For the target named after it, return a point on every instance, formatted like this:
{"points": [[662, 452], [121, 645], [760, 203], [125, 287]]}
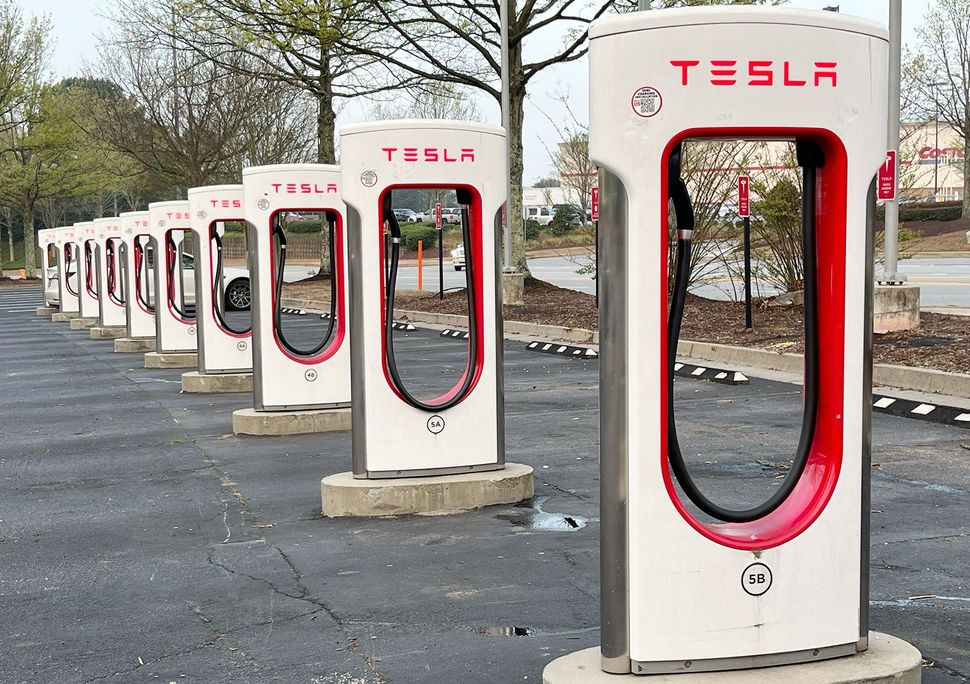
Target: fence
{"points": [[298, 248]]}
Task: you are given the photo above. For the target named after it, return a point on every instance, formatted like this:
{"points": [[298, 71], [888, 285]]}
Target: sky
{"points": [[77, 22]]}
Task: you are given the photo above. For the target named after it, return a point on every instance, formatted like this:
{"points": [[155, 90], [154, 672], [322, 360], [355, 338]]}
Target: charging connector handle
{"points": [[810, 157]]}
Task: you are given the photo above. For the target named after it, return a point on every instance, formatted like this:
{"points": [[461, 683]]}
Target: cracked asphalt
{"points": [[141, 541]]}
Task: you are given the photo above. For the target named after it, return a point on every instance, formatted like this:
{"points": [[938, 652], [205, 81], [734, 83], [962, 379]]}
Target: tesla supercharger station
{"points": [[67, 278], [396, 434], [170, 230], [87, 280], [290, 374], [47, 244], [689, 584], [111, 311], [138, 275], [223, 346]]}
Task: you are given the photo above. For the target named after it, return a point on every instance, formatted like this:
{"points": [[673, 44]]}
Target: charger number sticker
{"points": [[646, 102], [756, 579], [436, 424]]}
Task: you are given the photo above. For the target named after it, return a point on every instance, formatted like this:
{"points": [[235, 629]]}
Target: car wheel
{"points": [[457, 268], [238, 295]]}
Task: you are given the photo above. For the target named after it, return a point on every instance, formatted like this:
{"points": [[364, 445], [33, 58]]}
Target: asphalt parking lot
{"points": [[141, 541]]}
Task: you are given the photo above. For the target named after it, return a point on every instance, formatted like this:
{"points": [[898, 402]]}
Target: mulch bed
{"points": [[19, 282], [941, 341]]}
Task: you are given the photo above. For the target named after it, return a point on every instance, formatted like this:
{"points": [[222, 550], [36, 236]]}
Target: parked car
{"points": [[404, 215], [422, 217], [575, 213], [235, 281], [458, 257], [51, 289], [541, 215]]}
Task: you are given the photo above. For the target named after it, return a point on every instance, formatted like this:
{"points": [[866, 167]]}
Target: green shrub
{"points": [[532, 228], [560, 222], [412, 232], [937, 211], [308, 226]]}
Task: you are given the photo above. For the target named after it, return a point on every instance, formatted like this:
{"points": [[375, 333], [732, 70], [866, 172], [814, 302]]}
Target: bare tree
{"points": [[937, 75]]}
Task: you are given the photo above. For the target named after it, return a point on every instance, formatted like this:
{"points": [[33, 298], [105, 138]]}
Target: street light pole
{"points": [[891, 243]]}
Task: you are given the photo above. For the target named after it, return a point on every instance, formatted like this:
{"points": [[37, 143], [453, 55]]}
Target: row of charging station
{"points": [[686, 583], [161, 274]]}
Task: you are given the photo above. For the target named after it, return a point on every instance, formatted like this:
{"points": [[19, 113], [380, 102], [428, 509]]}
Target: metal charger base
{"points": [[134, 344], [107, 332], [888, 660], [249, 421], [171, 360], [83, 323], [46, 310], [195, 382], [344, 496], [64, 317]]}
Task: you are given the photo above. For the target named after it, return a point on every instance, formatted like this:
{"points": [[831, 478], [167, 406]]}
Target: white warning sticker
{"points": [[646, 102]]}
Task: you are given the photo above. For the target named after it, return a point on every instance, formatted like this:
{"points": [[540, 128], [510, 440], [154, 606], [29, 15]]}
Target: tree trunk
{"points": [[516, 103], [965, 213], [326, 152], [8, 216], [30, 259]]}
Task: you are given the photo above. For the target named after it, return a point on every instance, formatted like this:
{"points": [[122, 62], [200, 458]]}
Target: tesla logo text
{"points": [[304, 188], [729, 72], [226, 204], [429, 154], [177, 214]]}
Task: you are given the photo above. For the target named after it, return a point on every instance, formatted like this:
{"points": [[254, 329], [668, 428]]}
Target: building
{"points": [[931, 162]]}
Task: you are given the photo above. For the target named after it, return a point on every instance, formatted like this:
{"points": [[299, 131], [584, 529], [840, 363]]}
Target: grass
{"points": [[18, 253]]}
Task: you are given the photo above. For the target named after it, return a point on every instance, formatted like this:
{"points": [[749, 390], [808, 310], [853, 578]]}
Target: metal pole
{"points": [[936, 148], [507, 264], [747, 274], [441, 264], [889, 275]]}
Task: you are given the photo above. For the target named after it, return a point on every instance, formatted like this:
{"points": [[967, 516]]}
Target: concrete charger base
{"points": [[64, 316], [195, 382], [887, 661], [344, 496], [128, 345], [249, 421], [111, 332], [172, 360], [83, 323], [46, 310]]}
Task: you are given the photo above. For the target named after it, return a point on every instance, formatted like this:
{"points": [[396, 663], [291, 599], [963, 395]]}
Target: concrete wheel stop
{"points": [[99, 332], [344, 496], [887, 661], [249, 421], [46, 310], [171, 360], [195, 382], [64, 316], [83, 323], [129, 345]]}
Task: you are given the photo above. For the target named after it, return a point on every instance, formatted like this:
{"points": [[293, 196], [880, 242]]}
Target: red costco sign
{"points": [[594, 208], [744, 197], [887, 177]]}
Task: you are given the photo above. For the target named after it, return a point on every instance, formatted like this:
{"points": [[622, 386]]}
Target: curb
{"points": [[883, 375]]}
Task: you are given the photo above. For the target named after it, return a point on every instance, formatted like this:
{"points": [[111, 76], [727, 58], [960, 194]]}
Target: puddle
{"points": [[534, 518], [506, 631]]}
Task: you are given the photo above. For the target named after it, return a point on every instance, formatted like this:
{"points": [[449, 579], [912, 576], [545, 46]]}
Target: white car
{"points": [[541, 215], [234, 279], [458, 257]]}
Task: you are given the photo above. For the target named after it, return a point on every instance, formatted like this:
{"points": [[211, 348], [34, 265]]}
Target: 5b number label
{"points": [[756, 579]]}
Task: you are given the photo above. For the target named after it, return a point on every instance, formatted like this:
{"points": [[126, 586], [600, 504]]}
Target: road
{"points": [[143, 542]]}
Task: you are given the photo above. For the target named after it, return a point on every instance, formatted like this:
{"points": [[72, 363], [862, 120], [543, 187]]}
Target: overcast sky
{"points": [[76, 23]]}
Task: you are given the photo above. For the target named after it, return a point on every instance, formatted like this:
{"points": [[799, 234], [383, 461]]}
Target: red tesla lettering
{"points": [[684, 65], [760, 73], [410, 154], [390, 152], [723, 72], [276, 187], [789, 81], [430, 154], [467, 154], [825, 70], [447, 159]]}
